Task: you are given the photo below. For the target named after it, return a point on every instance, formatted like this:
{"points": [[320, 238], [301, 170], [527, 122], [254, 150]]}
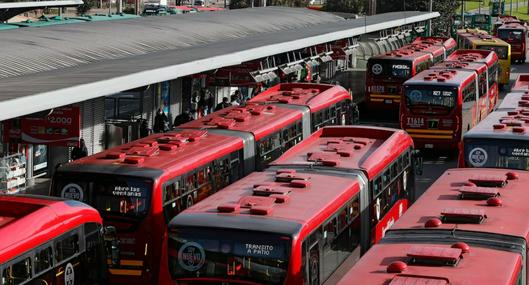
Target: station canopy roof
{"points": [[47, 67], [9, 9]]}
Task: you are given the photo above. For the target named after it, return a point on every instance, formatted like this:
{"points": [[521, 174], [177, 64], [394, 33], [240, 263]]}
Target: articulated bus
{"points": [[482, 22], [50, 241], [500, 140], [449, 44], [516, 35], [470, 227], [326, 108], [138, 187], [438, 52], [386, 73], [515, 101], [502, 49], [303, 221], [485, 64], [439, 106]]}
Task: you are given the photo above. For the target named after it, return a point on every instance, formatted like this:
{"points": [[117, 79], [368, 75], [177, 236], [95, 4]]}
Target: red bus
{"points": [[514, 101], [386, 73], [469, 227], [439, 106], [500, 140], [487, 77], [289, 225], [138, 187], [331, 106], [488, 81], [50, 241], [521, 84], [515, 34], [449, 44], [438, 52]]}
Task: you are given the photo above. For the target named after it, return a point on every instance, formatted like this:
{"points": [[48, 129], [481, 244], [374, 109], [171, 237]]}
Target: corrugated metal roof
{"points": [[47, 67]]}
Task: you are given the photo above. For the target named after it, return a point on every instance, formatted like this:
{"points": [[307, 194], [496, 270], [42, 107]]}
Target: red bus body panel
{"points": [[521, 84], [483, 266], [314, 96], [29, 221], [260, 122], [383, 145]]}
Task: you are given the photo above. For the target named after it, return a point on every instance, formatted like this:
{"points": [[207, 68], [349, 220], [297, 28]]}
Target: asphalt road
{"points": [[434, 163]]}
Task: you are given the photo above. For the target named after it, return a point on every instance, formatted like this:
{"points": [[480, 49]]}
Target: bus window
{"points": [[501, 51], [172, 204], [43, 259], [510, 35], [67, 246], [17, 273]]}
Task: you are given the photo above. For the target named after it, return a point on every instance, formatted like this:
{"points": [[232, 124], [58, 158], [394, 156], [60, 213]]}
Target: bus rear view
{"points": [[438, 106]]}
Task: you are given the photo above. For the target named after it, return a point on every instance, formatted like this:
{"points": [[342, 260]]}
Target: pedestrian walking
{"points": [[161, 122]]}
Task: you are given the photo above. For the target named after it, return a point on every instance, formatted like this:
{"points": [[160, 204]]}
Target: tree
{"points": [[440, 25], [346, 6], [239, 4], [86, 6]]}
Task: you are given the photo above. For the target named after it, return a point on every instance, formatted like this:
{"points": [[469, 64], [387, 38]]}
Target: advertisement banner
{"points": [[60, 128], [237, 75]]}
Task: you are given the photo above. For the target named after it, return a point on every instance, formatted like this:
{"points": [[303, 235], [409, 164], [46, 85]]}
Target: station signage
{"points": [[60, 128]]}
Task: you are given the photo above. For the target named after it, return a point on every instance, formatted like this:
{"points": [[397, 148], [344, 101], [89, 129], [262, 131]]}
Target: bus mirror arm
{"points": [[112, 244], [417, 162]]}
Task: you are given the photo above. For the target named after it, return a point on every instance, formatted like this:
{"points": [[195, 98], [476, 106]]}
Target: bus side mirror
{"points": [[417, 162], [111, 244]]}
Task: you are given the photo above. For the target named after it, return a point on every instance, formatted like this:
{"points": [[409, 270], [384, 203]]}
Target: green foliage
{"points": [[86, 6], [346, 6], [441, 25], [129, 10]]}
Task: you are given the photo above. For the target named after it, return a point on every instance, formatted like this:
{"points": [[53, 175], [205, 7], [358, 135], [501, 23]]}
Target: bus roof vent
{"points": [[477, 193], [518, 130], [429, 255], [463, 216], [221, 123], [510, 122], [325, 158], [229, 208], [418, 280], [134, 160], [489, 180], [168, 147], [115, 155], [499, 126], [143, 151]]}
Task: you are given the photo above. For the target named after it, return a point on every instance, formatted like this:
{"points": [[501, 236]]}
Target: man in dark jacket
{"points": [[79, 151], [224, 104], [161, 122]]}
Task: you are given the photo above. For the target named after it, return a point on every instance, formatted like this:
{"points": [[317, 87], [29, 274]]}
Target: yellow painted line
{"points": [[384, 96], [430, 136], [128, 272], [430, 131], [128, 262]]}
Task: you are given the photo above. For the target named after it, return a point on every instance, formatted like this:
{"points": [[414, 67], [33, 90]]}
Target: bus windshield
{"points": [[497, 153], [212, 253], [501, 51], [481, 19], [430, 99], [384, 68], [111, 195], [510, 35]]}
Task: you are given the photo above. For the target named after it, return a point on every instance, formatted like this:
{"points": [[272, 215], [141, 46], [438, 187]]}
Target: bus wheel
{"points": [[189, 201]]}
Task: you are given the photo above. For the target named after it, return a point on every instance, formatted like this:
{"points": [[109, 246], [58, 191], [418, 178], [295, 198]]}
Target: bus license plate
{"points": [[388, 101], [428, 145]]}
